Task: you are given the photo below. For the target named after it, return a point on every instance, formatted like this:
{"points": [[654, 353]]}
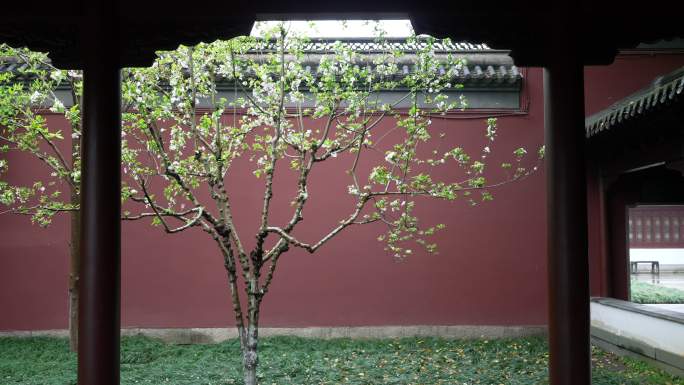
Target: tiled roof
{"points": [[392, 44], [492, 75], [483, 66], [485, 75], [664, 90], [10, 64]]}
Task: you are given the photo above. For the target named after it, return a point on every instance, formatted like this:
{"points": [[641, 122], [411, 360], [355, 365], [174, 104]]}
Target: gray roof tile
{"points": [[484, 66], [664, 90]]}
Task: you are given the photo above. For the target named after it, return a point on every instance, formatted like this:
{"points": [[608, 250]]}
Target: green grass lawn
{"points": [[290, 360], [643, 292]]}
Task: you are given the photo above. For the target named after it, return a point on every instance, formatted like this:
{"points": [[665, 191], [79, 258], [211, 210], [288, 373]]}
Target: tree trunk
{"points": [[249, 351], [75, 261], [250, 357]]}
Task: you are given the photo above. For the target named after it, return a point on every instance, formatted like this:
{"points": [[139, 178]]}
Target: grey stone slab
{"points": [[636, 346], [607, 346], [623, 342], [650, 311], [604, 335], [676, 360], [15, 333], [214, 335], [677, 308], [61, 333]]}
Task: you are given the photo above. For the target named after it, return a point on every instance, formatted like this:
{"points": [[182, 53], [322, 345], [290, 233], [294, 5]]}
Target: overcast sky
{"points": [[339, 28]]}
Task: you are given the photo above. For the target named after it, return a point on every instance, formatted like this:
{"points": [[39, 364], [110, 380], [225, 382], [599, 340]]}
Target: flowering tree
{"points": [[28, 90], [285, 114], [178, 149]]}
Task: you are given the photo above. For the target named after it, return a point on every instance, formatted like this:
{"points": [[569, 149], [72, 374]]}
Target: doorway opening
{"points": [[656, 255]]}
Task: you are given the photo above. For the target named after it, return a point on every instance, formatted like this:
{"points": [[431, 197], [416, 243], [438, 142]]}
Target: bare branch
{"points": [[268, 192], [32, 210], [312, 248], [190, 223], [59, 155], [45, 158]]}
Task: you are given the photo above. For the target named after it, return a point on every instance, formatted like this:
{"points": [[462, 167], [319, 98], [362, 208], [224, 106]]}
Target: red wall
{"points": [[491, 269]]}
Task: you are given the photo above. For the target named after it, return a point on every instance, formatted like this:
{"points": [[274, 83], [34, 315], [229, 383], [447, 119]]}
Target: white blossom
{"points": [[35, 96], [57, 106], [390, 157]]}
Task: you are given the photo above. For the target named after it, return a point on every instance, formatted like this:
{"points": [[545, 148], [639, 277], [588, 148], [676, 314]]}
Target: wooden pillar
{"points": [[99, 305], [619, 199], [568, 268]]}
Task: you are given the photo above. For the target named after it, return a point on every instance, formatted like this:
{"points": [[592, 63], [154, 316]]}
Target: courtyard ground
{"points": [[291, 360]]}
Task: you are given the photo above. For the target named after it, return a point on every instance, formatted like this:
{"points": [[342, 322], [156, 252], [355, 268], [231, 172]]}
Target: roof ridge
{"points": [[661, 89], [405, 44]]}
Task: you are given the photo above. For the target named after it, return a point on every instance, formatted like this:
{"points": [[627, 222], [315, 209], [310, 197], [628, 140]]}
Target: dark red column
{"points": [[568, 268], [99, 316]]}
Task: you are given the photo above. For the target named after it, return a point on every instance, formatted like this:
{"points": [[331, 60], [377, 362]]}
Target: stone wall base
{"points": [[213, 335]]}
